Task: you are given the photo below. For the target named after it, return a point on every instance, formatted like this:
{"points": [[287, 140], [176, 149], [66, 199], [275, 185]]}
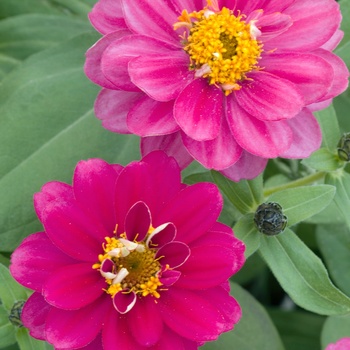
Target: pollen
{"points": [[222, 47]]}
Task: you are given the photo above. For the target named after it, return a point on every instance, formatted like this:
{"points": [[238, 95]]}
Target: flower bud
{"points": [[15, 314], [344, 147], [269, 219]]}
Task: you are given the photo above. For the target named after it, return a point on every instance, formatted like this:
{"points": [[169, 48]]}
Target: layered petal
{"points": [[171, 341], [173, 254], [137, 222]]}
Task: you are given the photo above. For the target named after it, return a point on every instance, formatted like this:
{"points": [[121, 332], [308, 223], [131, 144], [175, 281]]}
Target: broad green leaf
{"points": [[10, 290], [245, 195], [299, 330], [253, 267], [303, 202], [329, 215], [323, 160], [46, 126], [247, 232], [7, 64], [334, 243], [7, 330], [334, 328], [302, 274], [329, 126], [21, 36], [26, 342], [76, 7], [345, 24], [344, 53], [255, 330]]}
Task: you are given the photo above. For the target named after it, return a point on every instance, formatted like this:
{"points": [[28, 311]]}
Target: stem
{"points": [[75, 6], [307, 180]]}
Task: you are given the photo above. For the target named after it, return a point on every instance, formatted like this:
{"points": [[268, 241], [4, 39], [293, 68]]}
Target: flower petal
{"points": [[73, 286], [172, 341], [333, 42], [269, 97], [151, 118], [169, 277], [172, 144], [162, 235], [173, 254], [269, 6], [113, 106], [307, 135], [198, 110], [137, 222], [124, 301], [35, 260], [264, 139]]}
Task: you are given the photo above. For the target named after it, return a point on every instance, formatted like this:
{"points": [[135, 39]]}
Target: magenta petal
{"points": [[124, 301], [94, 182], [248, 167], [113, 106], [161, 77], [145, 322], [307, 135], [137, 222], [34, 315], [169, 277], [35, 260], [198, 110], [172, 144], [272, 25], [193, 211], [217, 154], [173, 254], [190, 315], [107, 265], [333, 42], [73, 286], [264, 139], [162, 235], [152, 118], [269, 6], [171, 341], [75, 329], [269, 97]]}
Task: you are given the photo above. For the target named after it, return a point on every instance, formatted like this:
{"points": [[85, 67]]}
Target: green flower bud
{"points": [[344, 147], [269, 219], [15, 314]]}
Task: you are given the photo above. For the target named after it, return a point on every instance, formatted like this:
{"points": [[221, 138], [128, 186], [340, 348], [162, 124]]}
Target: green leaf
{"points": [[344, 53], [255, 330], [245, 195], [21, 36], [10, 290], [26, 342], [302, 274], [323, 160], [7, 64], [329, 125], [345, 24], [247, 232], [334, 328], [7, 330], [334, 243], [303, 202], [47, 125], [253, 267]]}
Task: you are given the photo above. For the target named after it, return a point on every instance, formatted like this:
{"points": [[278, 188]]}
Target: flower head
{"points": [[228, 83], [341, 344], [130, 258]]}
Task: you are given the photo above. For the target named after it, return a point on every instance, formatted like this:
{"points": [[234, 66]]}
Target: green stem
{"points": [[75, 6], [307, 180]]}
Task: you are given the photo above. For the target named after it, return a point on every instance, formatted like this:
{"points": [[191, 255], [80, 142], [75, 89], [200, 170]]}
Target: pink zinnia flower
{"points": [[130, 258], [228, 83], [341, 344]]}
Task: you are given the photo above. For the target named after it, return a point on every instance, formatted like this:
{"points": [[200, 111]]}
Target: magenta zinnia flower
{"points": [[341, 344], [228, 83], [130, 258]]}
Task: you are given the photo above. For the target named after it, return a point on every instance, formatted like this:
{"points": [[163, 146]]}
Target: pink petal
{"points": [[93, 183], [217, 154], [113, 106], [73, 286], [190, 315], [34, 315], [312, 74], [162, 235], [35, 260], [307, 135], [341, 344], [152, 118], [272, 25], [161, 77], [333, 42], [145, 322], [173, 254], [75, 329], [154, 18], [92, 66], [107, 16], [193, 211], [172, 341], [318, 106], [269, 6], [248, 167], [269, 97], [169, 277], [198, 110], [124, 301], [264, 139], [137, 222], [172, 144]]}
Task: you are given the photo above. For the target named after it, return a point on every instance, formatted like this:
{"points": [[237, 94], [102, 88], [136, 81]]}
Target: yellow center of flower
{"points": [[134, 267], [222, 47]]}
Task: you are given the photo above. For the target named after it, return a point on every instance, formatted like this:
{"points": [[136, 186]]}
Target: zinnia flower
{"points": [[130, 258], [228, 83], [341, 344]]}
